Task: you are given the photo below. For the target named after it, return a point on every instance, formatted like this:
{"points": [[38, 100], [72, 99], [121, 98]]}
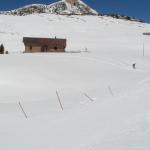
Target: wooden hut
{"points": [[44, 44]]}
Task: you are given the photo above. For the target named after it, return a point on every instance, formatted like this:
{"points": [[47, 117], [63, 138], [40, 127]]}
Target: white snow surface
{"points": [[105, 101]]}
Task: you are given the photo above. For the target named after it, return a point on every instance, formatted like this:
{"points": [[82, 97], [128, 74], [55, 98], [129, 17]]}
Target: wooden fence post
{"points": [[143, 49], [88, 97], [59, 101], [23, 110], [110, 91]]}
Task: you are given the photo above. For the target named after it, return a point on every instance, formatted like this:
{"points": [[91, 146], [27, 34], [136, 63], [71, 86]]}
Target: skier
{"points": [[133, 65]]}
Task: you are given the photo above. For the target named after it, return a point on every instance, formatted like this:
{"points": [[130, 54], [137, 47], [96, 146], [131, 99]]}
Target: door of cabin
{"points": [[44, 48]]}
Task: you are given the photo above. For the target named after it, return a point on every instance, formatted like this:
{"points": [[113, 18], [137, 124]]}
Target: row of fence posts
{"points": [[25, 114], [60, 102]]}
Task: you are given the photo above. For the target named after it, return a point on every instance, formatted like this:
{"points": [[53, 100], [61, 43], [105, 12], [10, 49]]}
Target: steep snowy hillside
{"points": [[64, 7], [105, 101]]}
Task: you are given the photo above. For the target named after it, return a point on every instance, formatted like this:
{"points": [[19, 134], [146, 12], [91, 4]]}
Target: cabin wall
{"points": [[39, 49], [55, 50], [34, 49]]}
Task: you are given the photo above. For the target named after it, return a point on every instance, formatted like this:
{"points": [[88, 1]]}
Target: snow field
{"points": [[105, 101]]}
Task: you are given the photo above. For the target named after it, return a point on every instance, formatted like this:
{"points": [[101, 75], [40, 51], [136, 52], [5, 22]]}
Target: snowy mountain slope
{"points": [[105, 101], [62, 7]]}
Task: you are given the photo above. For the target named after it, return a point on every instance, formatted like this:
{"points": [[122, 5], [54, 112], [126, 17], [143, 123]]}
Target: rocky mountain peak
{"points": [[72, 2], [63, 7]]}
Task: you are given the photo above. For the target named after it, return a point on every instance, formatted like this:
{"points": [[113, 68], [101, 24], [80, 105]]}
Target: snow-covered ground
{"points": [[105, 101]]}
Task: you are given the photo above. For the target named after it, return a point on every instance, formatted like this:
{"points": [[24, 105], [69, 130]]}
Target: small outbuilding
{"points": [[146, 33], [33, 44]]}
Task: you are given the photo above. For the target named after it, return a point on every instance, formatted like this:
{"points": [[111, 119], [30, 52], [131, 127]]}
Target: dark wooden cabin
{"points": [[44, 44]]}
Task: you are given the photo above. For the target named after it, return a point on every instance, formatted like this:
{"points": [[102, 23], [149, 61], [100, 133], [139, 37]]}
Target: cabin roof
{"points": [[51, 42]]}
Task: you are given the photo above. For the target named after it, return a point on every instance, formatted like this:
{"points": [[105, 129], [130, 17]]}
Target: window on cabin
{"points": [[30, 47], [55, 48]]}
